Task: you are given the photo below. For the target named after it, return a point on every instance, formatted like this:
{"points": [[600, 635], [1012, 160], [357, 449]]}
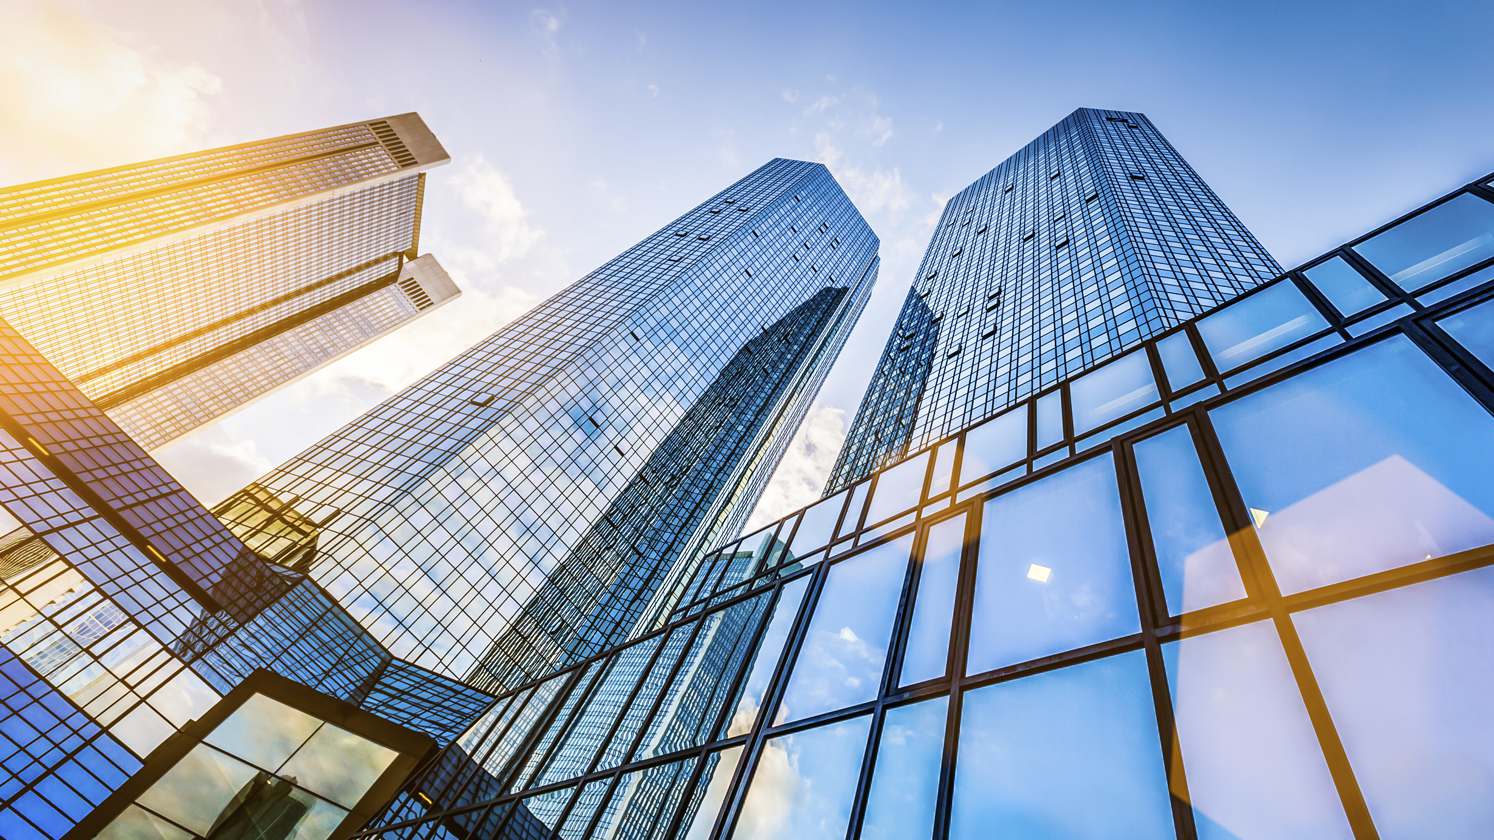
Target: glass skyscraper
{"points": [[175, 290], [1088, 240], [521, 506], [1242, 592]]}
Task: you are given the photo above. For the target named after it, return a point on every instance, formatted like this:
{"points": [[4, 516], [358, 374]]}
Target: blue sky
{"points": [[575, 129]]}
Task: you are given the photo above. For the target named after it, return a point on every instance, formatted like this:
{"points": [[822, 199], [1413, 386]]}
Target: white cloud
{"points": [[505, 231], [805, 466], [789, 95], [874, 190], [78, 95], [547, 24], [653, 90], [211, 464]]}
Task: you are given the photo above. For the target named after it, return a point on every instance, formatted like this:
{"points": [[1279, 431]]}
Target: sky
{"points": [[575, 129]]}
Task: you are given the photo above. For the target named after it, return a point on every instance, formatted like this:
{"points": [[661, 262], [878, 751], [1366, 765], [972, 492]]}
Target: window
{"points": [[1114, 390], [1193, 555], [817, 525], [1071, 753], [1407, 676], [994, 444], [926, 653], [845, 646], [905, 782], [715, 780], [1053, 572], [1267, 320], [1179, 361], [1247, 740], [1428, 247], [765, 658], [805, 782], [1474, 329], [1049, 419], [898, 488], [1344, 286], [1368, 462]]}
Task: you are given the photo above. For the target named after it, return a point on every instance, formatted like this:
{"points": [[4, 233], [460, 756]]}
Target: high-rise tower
{"points": [[521, 505], [1088, 240], [175, 290]]}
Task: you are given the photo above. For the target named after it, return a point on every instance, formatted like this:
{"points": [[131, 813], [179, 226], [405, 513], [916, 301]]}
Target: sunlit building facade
{"points": [[1240, 586], [523, 506], [175, 290], [1091, 238]]}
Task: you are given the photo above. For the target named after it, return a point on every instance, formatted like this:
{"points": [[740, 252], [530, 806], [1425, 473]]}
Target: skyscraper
{"points": [[1243, 591], [175, 290], [1088, 240], [521, 506]]}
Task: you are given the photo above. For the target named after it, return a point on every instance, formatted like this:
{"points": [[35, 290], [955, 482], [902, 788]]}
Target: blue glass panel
{"points": [[1344, 286], [1193, 554], [1474, 329], [1071, 753], [1457, 287], [818, 524], [845, 646], [898, 489], [1447, 238], [1378, 320], [1118, 388], [1407, 675], [926, 654], [1179, 361], [805, 782], [994, 444], [1049, 419], [1253, 762], [905, 782], [765, 657], [1265, 321], [715, 780], [1368, 462], [1054, 572], [1275, 363]]}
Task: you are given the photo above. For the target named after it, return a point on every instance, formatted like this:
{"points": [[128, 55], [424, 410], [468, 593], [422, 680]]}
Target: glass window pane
{"points": [[1407, 675], [1344, 286], [1049, 419], [136, 823], [926, 654], [596, 717], [943, 468], [715, 780], [816, 527], [994, 444], [1071, 753], [1253, 762], [1053, 571], [644, 801], [1116, 389], [1368, 462], [1179, 361], [195, 791], [339, 765], [845, 646], [765, 658], [1447, 238], [1193, 554], [263, 731], [804, 783], [1255, 326], [905, 783], [898, 489], [538, 814], [852, 519], [1474, 329]]}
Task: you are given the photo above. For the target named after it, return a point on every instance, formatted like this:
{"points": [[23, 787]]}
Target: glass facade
{"points": [[1246, 603], [522, 506], [1095, 236], [175, 290]]}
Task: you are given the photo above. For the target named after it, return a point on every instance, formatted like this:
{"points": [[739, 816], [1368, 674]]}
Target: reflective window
{"points": [[926, 654], [1344, 286], [1179, 361], [1407, 675], [136, 823], [1118, 388], [1265, 321], [905, 781], [644, 801], [196, 790], [1071, 753], [1447, 238], [1053, 571], [715, 780], [943, 468], [994, 444], [1193, 554], [1049, 419], [1247, 740], [263, 731], [1474, 329], [338, 765], [817, 525], [852, 519], [845, 645], [805, 782], [898, 489], [1362, 464], [765, 658], [538, 812]]}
